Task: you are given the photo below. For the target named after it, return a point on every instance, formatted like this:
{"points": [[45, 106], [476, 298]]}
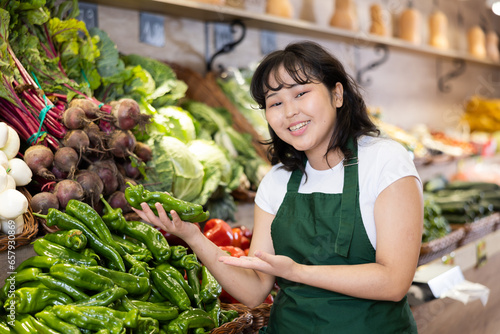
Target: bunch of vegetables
{"points": [[14, 172], [102, 273], [234, 240]]}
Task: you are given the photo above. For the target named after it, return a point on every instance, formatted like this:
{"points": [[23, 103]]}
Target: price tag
{"points": [[481, 255], [267, 41], [88, 14], [152, 29]]}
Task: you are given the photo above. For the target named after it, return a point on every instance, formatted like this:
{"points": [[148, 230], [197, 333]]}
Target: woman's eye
{"points": [[301, 94], [275, 104]]}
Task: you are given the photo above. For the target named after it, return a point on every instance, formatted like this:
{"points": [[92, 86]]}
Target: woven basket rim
{"points": [[30, 228], [438, 244], [239, 325]]}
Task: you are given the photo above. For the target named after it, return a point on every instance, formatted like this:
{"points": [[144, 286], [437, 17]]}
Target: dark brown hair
{"points": [[308, 62]]}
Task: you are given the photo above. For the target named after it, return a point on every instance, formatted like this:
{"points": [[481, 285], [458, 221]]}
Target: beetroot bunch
{"points": [[98, 155]]}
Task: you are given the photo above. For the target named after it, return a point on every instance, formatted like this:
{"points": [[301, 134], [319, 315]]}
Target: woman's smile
{"points": [[298, 128]]}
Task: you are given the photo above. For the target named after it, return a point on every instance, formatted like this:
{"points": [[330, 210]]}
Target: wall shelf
{"points": [[216, 13]]}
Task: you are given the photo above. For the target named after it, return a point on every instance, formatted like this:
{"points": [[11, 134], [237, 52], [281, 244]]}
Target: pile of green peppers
{"points": [[104, 274]]}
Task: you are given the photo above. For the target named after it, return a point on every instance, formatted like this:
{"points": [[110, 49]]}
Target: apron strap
{"points": [[349, 202], [294, 182]]}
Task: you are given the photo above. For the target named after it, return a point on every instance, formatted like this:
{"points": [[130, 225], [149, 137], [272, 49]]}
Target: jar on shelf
{"points": [[438, 30], [344, 15], [281, 8]]}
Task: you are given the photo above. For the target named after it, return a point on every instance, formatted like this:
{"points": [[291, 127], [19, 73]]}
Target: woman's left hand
{"points": [[276, 265]]}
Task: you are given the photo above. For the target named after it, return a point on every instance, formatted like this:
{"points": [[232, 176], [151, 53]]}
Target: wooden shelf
{"points": [[216, 13]]}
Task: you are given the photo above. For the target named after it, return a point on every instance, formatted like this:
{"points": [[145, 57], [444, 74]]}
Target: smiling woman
{"points": [[325, 225]]}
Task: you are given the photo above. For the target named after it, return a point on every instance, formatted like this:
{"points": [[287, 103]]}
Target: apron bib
{"points": [[327, 229]]}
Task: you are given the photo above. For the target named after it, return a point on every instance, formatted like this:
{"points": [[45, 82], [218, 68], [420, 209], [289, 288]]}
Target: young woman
{"points": [[338, 219]]}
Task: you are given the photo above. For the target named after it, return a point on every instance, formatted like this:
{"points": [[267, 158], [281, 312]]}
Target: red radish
{"points": [[108, 172], [39, 158], [143, 151], [122, 143], [43, 201], [66, 190], [66, 160], [91, 109], [77, 139], [127, 114], [74, 118], [118, 200], [92, 185]]}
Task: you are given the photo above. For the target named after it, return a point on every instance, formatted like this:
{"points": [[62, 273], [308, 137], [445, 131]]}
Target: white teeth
{"points": [[298, 126]]}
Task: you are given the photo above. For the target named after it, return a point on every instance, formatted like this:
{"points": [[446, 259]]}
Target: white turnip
{"points": [[108, 172], [122, 143], [39, 159], [43, 201], [11, 147], [74, 118], [20, 171], [92, 185], [127, 114], [143, 151], [66, 190], [4, 134], [14, 203], [66, 160], [77, 139]]}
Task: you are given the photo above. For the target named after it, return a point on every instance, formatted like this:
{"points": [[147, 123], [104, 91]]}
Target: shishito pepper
{"points": [[39, 261], [64, 221], [31, 300], [51, 320], [103, 298], [4, 328], [210, 288], [194, 318], [147, 325], [145, 233], [81, 277], [135, 285], [188, 261], [214, 309], [187, 211], [138, 252], [146, 309], [171, 289], [58, 285], [27, 324], [14, 281], [42, 246], [176, 275], [73, 239]]}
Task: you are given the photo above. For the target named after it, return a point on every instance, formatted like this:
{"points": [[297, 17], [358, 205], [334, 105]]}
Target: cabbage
{"points": [[173, 121], [171, 156]]}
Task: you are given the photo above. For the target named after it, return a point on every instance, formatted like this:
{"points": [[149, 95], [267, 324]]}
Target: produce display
{"points": [[102, 273]]}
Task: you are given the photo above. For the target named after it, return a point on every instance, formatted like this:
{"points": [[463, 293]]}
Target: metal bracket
{"points": [[460, 66], [385, 56], [229, 46]]}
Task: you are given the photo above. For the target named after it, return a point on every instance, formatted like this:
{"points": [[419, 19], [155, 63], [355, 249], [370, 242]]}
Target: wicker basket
{"points": [[260, 316], [30, 229], [478, 229], [242, 324], [439, 247]]}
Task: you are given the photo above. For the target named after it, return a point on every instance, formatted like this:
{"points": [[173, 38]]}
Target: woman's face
{"points": [[303, 115]]}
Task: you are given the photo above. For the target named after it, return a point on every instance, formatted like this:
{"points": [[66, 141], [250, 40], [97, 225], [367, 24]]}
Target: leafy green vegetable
{"points": [[173, 121]]}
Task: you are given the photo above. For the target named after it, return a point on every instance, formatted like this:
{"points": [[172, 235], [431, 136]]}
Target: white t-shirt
{"points": [[381, 162]]}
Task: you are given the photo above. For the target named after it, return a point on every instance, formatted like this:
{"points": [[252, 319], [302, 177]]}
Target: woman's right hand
{"points": [[174, 226]]}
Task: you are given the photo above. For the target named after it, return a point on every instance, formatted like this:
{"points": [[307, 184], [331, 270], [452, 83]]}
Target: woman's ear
{"points": [[338, 93]]}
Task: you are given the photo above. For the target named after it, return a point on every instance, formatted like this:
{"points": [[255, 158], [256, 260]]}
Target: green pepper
{"points": [[73, 239], [51, 320], [178, 251], [58, 285], [152, 310], [145, 233], [188, 261], [66, 222], [193, 278], [87, 215], [31, 300], [171, 289], [40, 261], [103, 298], [15, 280], [147, 325], [33, 284], [214, 310], [176, 275], [155, 296], [210, 288], [44, 247], [27, 324], [139, 253], [133, 284], [94, 321], [81, 277], [194, 318], [189, 212], [4, 328], [89, 252], [227, 316]]}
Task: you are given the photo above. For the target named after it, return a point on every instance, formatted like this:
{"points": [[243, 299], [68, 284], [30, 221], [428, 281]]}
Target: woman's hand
{"points": [[173, 226], [275, 265]]}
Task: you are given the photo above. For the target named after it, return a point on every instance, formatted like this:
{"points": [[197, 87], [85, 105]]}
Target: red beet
{"points": [[127, 114], [122, 143], [66, 160], [92, 185], [77, 139], [118, 200], [143, 151], [74, 118], [39, 159], [43, 201], [108, 172], [66, 190]]}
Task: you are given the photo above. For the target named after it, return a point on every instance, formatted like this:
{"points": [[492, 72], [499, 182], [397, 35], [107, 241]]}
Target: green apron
{"points": [[327, 229]]}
